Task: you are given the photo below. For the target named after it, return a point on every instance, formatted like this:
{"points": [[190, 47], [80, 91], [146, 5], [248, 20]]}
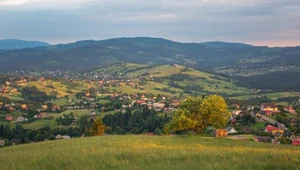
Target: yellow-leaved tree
{"points": [[97, 128], [196, 114]]}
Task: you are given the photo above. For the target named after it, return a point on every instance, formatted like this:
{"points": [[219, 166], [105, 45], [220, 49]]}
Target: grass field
{"points": [[150, 152]]}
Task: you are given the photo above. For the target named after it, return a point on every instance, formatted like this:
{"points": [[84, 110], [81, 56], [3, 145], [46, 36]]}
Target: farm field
{"points": [[150, 152], [272, 96]]}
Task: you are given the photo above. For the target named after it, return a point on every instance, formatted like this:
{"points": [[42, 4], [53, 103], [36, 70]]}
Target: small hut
{"points": [[221, 133]]}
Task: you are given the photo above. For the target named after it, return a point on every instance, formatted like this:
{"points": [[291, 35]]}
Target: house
{"points": [[44, 107], [44, 115], [233, 121], [9, 118], [158, 106], [296, 141], [290, 110], [288, 133], [174, 104], [262, 139], [269, 107], [11, 109], [62, 137], [279, 130], [141, 102], [41, 116], [24, 107], [15, 141], [231, 130], [270, 129], [221, 133], [20, 119], [250, 107], [2, 142], [292, 121], [235, 106], [236, 112], [277, 135]]}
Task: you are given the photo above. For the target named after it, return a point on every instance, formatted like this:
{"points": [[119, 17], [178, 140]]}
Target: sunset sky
{"points": [[257, 22]]}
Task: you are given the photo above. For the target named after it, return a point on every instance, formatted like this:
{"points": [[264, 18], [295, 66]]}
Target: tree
{"points": [[108, 130], [97, 128], [197, 114]]}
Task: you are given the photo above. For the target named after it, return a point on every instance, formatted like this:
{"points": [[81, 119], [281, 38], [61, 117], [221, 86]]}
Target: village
{"points": [[267, 122]]}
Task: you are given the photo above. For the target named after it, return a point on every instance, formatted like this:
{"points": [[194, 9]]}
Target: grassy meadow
{"points": [[272, 96], [150, 152]]}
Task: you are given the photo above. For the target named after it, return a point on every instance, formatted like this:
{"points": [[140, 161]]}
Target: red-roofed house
{"points": [[9, 118], [141, 102], [270, 128], [296, 141]]}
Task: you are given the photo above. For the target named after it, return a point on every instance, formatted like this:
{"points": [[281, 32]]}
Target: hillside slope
{"points": [[149, 152], [174, 79]]}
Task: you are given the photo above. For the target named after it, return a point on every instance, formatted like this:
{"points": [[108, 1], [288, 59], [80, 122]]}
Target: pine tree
{"points": [[97, 128]]}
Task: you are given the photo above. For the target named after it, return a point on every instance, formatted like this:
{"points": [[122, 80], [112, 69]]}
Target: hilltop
{"points": [[150, 152], [12, 44]]}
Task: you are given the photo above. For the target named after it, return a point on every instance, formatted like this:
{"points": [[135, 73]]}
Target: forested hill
{"points": [[233, 59], [11, 44]]}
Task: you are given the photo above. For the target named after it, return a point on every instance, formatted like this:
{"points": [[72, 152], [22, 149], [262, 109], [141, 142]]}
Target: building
{"points": [[9, 118], [158, 106], [2, 142], [24, 107], [290, 110], [269, 107], [231, 130], [236, 112], [20, 119], [44, 107], [296, 141], [270, 129], [221, 133], [262, 139]]}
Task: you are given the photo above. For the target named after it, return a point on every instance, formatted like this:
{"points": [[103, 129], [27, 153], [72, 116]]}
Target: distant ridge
{"points": [[222, 44], [12, 44]]}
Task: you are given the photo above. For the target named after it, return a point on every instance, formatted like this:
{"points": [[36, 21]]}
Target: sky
{"points": [[257, 22]]}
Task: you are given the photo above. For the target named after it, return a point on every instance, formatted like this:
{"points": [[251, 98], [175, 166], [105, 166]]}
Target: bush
{"points": [[108, 130], [158, 131]]}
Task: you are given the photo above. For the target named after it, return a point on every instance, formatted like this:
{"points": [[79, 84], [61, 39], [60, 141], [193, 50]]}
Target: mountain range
{"points": [[259, 67], [11, 44]]}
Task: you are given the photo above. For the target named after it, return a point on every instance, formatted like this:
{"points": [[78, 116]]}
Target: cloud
{"points": [[58, 21], [12, 2]]}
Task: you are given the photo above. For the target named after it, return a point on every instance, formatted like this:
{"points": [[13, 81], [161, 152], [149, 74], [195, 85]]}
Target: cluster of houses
{"points": [[265, 111], [156, 103], [277, 133], [24, 108]]}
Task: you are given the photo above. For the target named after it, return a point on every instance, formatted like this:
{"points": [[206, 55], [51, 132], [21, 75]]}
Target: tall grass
{"points": [[149, 152]]}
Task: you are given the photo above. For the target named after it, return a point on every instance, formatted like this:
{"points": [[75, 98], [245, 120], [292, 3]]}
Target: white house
{"points": [[231, 130]]}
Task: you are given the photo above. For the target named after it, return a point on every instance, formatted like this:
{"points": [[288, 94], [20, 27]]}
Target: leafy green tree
{"points": [[196, 114], [108, 130], [97, 128], [158, 131]]}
